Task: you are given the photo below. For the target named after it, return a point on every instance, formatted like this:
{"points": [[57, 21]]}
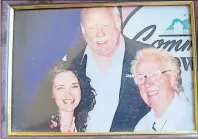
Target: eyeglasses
{"points": [[141, 78]]}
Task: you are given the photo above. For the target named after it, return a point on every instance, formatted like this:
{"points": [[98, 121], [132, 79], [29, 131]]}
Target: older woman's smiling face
{"points": [[156, 91], [66, 91]]}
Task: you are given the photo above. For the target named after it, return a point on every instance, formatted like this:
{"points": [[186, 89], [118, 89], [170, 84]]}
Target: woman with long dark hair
{"points": [[64, 100]]}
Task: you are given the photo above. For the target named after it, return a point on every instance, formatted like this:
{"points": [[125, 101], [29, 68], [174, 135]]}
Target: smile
{"points": [[101, 42], [153, 93], [68, 101]]}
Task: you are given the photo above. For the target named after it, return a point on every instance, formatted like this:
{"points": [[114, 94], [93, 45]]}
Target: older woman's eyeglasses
{"points": [[141, 78]]}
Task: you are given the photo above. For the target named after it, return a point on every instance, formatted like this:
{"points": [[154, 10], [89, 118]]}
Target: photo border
{"points": [[9, 50]]}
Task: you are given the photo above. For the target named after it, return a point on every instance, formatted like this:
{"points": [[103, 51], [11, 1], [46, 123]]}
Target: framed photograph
{"points": [[92, 69]]}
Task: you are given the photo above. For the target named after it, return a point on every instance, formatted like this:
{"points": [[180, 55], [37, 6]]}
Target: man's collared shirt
{"points": [[178, 117], [107, 85]]}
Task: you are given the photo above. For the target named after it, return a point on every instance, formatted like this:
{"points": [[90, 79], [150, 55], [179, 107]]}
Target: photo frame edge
{"points": [[191, 5]]}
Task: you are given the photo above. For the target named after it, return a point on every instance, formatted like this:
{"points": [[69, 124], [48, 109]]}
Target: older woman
{"points": [[64, 101], [158, 76]]}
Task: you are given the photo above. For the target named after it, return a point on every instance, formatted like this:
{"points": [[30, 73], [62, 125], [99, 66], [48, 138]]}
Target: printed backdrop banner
{"points": [[165, 27]]}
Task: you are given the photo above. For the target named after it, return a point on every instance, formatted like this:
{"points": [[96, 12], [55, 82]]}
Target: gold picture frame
{"points": [[10, 49]]}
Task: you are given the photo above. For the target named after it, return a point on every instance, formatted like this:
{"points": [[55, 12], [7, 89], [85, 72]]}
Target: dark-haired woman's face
{"points": [[66, 91]]}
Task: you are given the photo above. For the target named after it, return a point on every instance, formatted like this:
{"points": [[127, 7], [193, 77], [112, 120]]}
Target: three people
{"points": [[64, 100], [158, 77], [122, 103]]}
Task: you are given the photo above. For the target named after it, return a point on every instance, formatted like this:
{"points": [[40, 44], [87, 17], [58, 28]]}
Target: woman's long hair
{"points": [[44, 106]]}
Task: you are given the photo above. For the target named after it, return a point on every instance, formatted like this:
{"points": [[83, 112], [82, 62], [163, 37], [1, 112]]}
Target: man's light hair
{"points": [[114, 10], [170, 61]]}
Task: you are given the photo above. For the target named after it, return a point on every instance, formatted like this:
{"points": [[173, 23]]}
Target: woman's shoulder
{"points": [[143, 123]]}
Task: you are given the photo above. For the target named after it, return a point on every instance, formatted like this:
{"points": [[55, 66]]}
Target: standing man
{"points": [[106, 56], [158, 77]]}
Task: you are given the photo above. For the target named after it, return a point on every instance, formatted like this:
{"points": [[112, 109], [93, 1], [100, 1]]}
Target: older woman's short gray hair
{"points": [[171, 61]]}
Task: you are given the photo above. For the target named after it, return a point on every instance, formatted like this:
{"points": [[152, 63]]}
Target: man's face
{"points": [[100, 31], [157, 89], [66, 91]]}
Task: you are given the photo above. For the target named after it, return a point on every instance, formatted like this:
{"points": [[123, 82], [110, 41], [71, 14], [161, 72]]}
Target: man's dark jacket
{"points": [[131, 107]]}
